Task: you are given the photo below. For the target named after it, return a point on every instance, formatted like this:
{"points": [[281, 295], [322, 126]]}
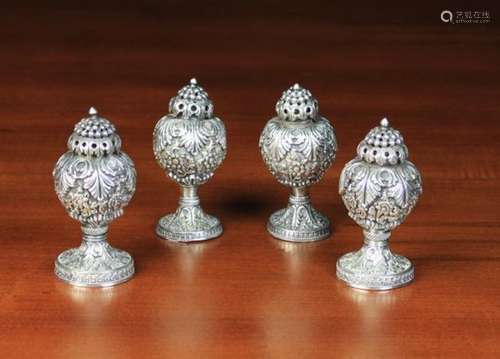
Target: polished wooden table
{"points": [[245, 294]]}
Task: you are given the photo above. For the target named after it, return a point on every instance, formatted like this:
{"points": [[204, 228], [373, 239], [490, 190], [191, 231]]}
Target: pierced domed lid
{"points": [[191, 101], [297, 104], [94, 135], [383, 145]]}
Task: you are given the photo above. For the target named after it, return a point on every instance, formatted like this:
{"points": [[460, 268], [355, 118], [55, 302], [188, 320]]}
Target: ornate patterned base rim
{"points": [[290, 235], [375, 282], [82, 278], [166, 233]]}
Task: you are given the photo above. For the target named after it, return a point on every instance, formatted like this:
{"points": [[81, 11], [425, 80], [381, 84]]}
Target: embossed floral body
{"points": [[94, 181], [189, 144], [298, 146], [298, 156], [190, 150], [94, 190], [379, 198], [379, 189]]}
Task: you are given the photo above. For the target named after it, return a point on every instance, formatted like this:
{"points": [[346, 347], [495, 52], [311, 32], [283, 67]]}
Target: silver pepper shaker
{"points": [[189, 143], [298, 146], [379, 187], [94, 181]]}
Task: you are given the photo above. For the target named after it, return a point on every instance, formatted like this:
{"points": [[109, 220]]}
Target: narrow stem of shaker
{"points": [[189, 191], [91, 234], [189, 196], [300, 191], [375, 237]]}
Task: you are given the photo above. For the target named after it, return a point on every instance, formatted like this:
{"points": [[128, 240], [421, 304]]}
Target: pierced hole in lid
{"points": [[181, 106], [365, 150], [104, 144], [193, 108], [94, 145], [374, 152], [76, 143], [397, 153], [206, 108], [386, 154], [296, 112], [84, 144], [285, 111], [308, 109]]}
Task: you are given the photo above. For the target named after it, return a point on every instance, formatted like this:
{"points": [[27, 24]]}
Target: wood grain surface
{"points": [[245, 294]]}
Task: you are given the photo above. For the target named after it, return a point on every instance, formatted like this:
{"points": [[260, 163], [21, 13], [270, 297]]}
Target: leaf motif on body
{"points": [[63, 180], [194, 138], [330, 131], [413, 175], [346, 175], [365, 185], [128, 169], [99, 184], [273, 144], [220, 133], [408, 186], [60, 164], [308, 143], [161, 133], [400, 189]]}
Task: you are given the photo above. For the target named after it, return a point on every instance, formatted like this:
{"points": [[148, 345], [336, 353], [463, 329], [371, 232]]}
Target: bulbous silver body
{"points": [[94, 181], [298, 155], [298, 146], [189, 150], [379, 188], [189, 144]]}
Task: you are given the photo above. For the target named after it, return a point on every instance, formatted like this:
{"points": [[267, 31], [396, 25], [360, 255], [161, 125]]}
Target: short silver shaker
{"points": [[94, 181], [379, 187], [189, 143], [298, 146]]}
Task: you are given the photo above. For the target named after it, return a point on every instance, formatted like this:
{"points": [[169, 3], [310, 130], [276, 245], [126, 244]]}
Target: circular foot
{"points": [[359, 272], [94, 265], [309, 227], [175, 228]]}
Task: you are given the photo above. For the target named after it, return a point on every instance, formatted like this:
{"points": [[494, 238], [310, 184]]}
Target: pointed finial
{"points": [[193, 81], [296, 86], [384, 122], [92, 111]]}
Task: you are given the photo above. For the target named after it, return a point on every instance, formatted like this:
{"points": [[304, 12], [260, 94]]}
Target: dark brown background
{"points": [[246, 294]]}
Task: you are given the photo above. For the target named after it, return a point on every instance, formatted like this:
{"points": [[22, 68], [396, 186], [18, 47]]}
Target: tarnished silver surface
{"points": [[298, 146], [94, 181], [379, 187], [189, 143]]}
